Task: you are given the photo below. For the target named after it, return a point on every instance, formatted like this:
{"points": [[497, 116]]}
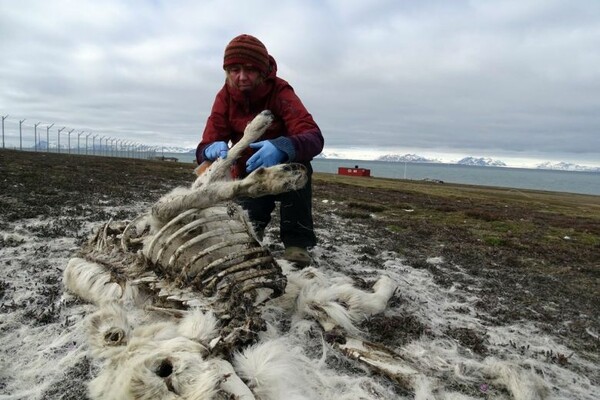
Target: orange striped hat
{"points": [[247, 50]]}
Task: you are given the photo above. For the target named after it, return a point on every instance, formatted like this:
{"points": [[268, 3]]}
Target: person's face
{"points": [[244, 77]]}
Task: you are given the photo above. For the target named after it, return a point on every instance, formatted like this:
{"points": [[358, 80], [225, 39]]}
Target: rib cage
{"points": [[208, 258], [214, 251]]}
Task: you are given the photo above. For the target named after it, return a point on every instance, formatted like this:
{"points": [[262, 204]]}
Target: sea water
{"points": [[522, 178], [518, 178]]}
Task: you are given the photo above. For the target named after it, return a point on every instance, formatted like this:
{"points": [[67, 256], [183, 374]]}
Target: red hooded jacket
{"points": [[293, 131]]}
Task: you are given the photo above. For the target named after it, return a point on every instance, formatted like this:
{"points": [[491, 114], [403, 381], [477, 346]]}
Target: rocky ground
{"points": [[524, 258], [529, 255]]}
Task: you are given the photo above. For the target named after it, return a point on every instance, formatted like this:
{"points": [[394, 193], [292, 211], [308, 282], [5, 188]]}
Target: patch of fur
{"points": [[522, 384], [93, 282], [273, 370], [168, 369], [153, 361], [199, 326], [108, 331], [333, 303]]}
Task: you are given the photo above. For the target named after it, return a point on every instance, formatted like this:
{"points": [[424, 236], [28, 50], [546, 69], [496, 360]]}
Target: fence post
{"points": [[69, 142], [35, 136], [78, 147], [101, 144], [21, 134], [94, 144], [3, 118], [59, 131], [48, 138], [86, 142]]}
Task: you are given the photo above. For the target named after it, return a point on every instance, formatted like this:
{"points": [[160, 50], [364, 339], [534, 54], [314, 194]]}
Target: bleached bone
{"points": [[175, 249], [232, 383], [262, 181], [382, 360], [218, 170]]}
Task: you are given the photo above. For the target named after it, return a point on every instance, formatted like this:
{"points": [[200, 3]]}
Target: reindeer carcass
{"points": [[191, 276]]}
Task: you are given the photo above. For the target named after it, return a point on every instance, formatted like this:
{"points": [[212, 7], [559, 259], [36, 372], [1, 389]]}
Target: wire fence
{"points": [[49, 138]]}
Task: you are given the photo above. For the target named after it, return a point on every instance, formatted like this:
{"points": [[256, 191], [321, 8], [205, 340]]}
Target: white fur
{"points": [[134, 376], [274, 370], [199, 326], [333, 303], [133, 366], [109, 331], [522, 384], [92, 282]]}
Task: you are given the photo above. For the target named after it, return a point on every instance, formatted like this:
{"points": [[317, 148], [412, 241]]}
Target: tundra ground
{"points": [[528, 258]]}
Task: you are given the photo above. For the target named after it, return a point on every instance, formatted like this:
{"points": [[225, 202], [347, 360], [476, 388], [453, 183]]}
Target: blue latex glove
{"points": [[266, 156], [216, 150]]}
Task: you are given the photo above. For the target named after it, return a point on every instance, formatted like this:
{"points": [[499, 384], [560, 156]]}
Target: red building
{"points": [[356, 171]]}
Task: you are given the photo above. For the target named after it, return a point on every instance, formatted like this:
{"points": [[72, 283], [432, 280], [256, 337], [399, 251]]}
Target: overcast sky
{"points": [[502, 79]]}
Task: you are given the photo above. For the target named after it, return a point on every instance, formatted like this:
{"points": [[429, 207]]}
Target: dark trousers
{"points": [[296, 221]]}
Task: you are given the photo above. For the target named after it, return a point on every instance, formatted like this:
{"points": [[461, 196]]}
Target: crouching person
{"points": [[251, 86]]}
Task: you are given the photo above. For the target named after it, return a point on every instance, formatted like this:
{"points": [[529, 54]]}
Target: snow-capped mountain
{"points": [[412, 158], [481, 162], [43, 145], [565, 166], [175, 149], [334, 156]]}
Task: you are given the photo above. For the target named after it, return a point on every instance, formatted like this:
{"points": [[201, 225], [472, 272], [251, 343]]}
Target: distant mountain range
{"points": [[472, 161], [175, 149], [565, 166], [412, 158]]}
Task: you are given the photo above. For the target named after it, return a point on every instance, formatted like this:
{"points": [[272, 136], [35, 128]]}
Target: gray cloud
{"points": [[479, 77]]}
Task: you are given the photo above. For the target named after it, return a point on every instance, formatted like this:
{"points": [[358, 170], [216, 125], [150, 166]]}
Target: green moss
{"points": [[494, 241], [396, 228], [366, 206]]}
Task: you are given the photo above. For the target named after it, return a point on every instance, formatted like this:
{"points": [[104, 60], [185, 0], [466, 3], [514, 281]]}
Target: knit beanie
{"points": [[246, 49]]}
